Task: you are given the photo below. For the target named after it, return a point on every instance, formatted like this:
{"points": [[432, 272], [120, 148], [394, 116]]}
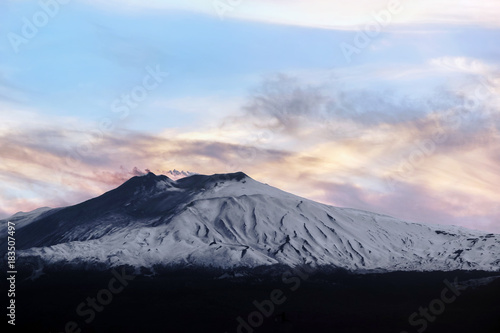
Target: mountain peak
{"points": [[148, 181], [199, 181], [238, 176], [154, 177], [231, 220], [176, 174]]}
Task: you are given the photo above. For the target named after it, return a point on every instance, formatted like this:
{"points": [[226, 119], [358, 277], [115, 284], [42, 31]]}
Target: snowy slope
{"points": [[232, 220], [22, 219], [176, 174]]}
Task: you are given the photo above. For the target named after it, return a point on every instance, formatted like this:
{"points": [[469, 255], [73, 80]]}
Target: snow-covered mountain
{"points": [[229, 220], [176, 174]]}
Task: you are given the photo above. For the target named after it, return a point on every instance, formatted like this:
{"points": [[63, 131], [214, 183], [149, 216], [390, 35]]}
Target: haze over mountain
{"points": [[231, 220]]}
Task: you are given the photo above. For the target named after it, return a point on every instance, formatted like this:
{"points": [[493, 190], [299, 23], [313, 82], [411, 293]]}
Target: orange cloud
{"points": [[439, 166]]}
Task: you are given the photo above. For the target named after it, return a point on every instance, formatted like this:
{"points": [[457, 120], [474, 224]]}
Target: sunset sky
{"points": [[386, 106]]}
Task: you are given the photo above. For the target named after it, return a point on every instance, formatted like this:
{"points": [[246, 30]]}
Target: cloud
{"points": [[285, 102], [330, 14], [427, 157], [451, 185], [48, 167], [328, 109], [432, 160]]}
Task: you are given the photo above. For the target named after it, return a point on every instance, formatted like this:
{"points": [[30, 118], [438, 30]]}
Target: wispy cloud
{"points": [[333, 14], [433, 160], [410, 127]]}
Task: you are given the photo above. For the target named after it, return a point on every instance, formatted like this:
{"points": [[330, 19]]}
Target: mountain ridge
{"points": [[231, 220]]}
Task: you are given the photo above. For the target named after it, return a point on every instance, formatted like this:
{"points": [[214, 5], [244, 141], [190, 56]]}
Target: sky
{"points": [[386, 106]]}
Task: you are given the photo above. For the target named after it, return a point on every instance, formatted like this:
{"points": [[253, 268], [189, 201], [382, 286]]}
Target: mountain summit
{"points": [[230, 220]]}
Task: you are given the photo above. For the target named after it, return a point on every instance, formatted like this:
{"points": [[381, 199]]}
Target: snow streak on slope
{"points": [[176, 174], [22, 219], [232, 220]]}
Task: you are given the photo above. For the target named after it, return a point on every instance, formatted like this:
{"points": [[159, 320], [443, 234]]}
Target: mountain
{"points": [[231, 220], [176, 174]]}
